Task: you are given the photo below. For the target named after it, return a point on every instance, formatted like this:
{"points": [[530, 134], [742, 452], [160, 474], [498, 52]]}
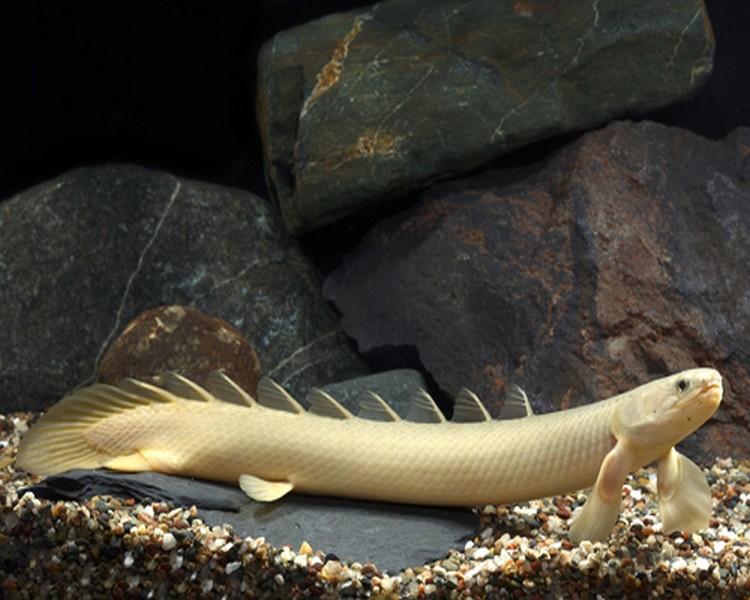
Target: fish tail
{"points": [[61, 439]]}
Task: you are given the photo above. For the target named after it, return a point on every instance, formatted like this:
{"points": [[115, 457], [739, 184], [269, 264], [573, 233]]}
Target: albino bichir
{"points": [[273, 445]]}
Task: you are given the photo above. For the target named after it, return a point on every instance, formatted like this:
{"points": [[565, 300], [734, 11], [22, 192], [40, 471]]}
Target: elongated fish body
{"points": [[273, 446], [422, 463]]}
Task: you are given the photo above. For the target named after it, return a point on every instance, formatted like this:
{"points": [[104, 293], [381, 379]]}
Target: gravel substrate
{"points": [[113, 548]]}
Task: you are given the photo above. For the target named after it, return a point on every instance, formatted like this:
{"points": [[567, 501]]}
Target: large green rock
{"points": [[359, 107]]}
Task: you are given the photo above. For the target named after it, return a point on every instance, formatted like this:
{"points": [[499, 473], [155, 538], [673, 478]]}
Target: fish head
{"points": [[665, 411]]}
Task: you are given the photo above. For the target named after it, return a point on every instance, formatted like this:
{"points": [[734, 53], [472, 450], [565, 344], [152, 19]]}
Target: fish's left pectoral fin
{"points": [[598, 516], [262, 490], [684, 495]]}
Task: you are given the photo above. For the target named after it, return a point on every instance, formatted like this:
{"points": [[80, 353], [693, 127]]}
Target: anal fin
{"points": [[262, 490], [684, 495], [134, 463], [163, 461]]}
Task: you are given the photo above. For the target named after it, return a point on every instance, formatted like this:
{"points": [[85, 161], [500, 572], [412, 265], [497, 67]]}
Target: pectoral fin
{"points": [[599, 515], [684, 495], [262, 490]]}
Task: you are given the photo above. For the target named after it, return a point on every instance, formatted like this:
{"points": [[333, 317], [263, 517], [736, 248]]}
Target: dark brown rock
{"points": [[184, 340], [359, 107], [85, 253], [623, 259]]}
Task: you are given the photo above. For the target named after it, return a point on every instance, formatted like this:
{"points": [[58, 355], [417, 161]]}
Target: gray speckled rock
{"points": [[81, 255], [358, 107]]}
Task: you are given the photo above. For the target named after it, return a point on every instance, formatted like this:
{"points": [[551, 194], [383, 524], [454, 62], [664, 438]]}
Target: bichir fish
{"points": [[272, 445]]}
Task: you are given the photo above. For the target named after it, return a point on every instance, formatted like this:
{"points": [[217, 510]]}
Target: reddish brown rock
{"points": [[623, 259], [181, 339]]}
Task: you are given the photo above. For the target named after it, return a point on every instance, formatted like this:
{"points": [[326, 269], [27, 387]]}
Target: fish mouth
{"points": [[712, 391]]}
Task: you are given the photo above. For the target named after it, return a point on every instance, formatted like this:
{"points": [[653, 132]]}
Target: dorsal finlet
{"points": [[184, 387], [373, 408], [225, 389], [147, 391], [272, 395], [424, 410], [468, 408], [325, 405], [516, 404]]}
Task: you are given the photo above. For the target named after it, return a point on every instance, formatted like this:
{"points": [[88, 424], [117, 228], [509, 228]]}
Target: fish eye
{"points": [[682, 385]]}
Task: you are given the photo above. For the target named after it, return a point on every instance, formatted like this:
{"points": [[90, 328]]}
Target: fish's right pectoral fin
{"points": [[262, 490]]}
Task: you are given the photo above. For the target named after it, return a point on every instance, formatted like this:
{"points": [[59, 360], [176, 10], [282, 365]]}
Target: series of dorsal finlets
{"points": [[467, 407]]}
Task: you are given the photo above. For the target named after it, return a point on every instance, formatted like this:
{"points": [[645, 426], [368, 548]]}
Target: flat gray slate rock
{"points": [[392, 536]]}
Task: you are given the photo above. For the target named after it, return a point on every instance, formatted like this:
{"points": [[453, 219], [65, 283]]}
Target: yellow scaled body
{"points": [[273, 447]]}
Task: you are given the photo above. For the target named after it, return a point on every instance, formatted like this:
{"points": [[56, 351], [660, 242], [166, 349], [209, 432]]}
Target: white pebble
{"points": [[679, 564], [389, 584], [472, 573], [587, 547], [168, 541], [503, 559], [227, 547], [286, 555], [232, 567], [128, 560]]}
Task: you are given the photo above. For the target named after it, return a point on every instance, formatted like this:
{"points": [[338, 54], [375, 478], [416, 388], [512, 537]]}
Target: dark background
{"points": [[171, 85]]}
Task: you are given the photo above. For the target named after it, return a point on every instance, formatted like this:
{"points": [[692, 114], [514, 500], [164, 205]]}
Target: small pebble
{"points": [[168, 541]]}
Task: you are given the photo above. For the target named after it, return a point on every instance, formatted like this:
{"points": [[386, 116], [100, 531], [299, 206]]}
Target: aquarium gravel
{"points": [[116, 548]]}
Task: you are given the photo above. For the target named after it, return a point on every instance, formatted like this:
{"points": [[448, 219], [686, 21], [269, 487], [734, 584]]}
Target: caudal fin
{"points": [[58, 441]]}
